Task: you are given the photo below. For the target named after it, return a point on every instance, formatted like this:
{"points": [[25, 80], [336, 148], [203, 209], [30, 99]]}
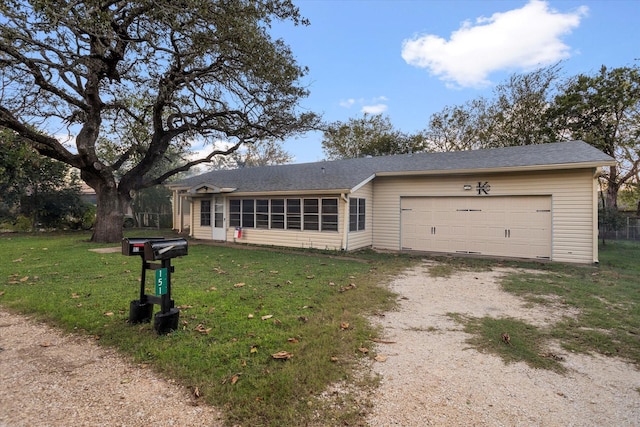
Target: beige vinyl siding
{"points": [[571, 193], [363, 238], [330, 240]]}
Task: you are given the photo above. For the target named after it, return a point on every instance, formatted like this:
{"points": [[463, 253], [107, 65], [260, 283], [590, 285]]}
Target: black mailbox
{"points": [[135, 246], [164, 249]]}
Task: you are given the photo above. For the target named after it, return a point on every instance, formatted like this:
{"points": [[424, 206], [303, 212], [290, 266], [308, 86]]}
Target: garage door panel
{"points": [[515, 226]]}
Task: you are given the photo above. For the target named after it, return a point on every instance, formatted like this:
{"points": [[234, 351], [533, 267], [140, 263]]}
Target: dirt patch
{"points": [[432, 377], [113, 250], [52, 379]]}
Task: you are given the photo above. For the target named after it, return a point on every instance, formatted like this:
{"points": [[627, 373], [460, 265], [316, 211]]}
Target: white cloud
{"points": [[524, 38], [347, 103], [375, 105], [374, 109]]}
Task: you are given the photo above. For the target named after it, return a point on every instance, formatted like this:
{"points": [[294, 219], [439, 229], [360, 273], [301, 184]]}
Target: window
{"points": [[234, 213], [311, 212], [314, 214], [262, 213], [205, 213], [277, 213], [357, 217], [248, 213], [293, 214], [329, 215]]}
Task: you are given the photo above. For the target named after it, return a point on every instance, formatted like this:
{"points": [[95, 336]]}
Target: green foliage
{"points": [[223, 346], [148, 80], [610, 219], [604, 110], [368, 136], [516, 114], [36, 187]]}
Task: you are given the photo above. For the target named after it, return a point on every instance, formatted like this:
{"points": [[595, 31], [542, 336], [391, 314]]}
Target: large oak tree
{"points": [[603, 109], [176, 72]]}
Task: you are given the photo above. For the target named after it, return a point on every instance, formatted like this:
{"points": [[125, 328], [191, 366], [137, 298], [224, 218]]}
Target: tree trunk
{"points": [[612, 195], [109, 216]]}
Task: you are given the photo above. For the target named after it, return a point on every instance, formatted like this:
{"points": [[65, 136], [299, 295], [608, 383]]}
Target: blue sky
{"points": [[410, 58]]}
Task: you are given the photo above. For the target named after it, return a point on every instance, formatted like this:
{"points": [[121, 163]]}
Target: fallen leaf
{"points": [[268, 316], [254, 349], [24, 279], [363, 350], [311, 276], [334, 359], [196, 392], [109, 313], [185, 307], [293, 340], [238, 285], [282, 355], [344, 325], [74, 295], [250, 316], [17, 260], [234, 379], [277, 322], [200, 328], [213, 288], [45, 344], [381, 358], [274, 272], [303, 319], [1, 293]]}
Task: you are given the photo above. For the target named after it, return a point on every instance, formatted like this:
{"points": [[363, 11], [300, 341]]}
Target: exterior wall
{"points": [[332, 240], [363, 238], [573, 226]]}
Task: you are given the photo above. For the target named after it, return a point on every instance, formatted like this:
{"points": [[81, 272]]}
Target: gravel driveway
{"points": [[430, 375]]}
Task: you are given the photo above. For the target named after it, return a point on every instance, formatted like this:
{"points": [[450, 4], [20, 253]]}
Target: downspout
{"points": [[345, 223]]}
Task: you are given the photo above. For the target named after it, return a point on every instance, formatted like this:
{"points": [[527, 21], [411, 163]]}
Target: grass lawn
{"points": [[606, 299], [238, 307]]}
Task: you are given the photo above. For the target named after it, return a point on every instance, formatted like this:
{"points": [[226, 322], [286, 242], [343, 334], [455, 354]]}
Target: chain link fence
{"points": [[629, 230]]}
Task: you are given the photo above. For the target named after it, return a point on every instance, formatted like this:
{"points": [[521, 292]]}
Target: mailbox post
{"points": [[163, 250]]}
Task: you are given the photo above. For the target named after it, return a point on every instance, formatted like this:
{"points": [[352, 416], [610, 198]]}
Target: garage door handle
{"points": [[433, 230], [507, 233]]}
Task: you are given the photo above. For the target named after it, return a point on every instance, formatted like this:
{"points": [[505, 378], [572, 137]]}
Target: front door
{"points": [[219, 228]]}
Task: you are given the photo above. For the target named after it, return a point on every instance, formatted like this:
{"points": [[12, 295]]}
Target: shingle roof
{"points": [[349, 173]]}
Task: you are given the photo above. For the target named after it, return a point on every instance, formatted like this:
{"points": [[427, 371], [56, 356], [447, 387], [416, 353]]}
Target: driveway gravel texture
{"points": [[429, 374]]}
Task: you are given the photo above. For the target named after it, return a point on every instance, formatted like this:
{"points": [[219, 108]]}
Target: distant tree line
{"points": [[602, 109]]}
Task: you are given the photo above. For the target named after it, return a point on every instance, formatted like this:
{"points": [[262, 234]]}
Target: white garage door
{"points": [[515, 226]]}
